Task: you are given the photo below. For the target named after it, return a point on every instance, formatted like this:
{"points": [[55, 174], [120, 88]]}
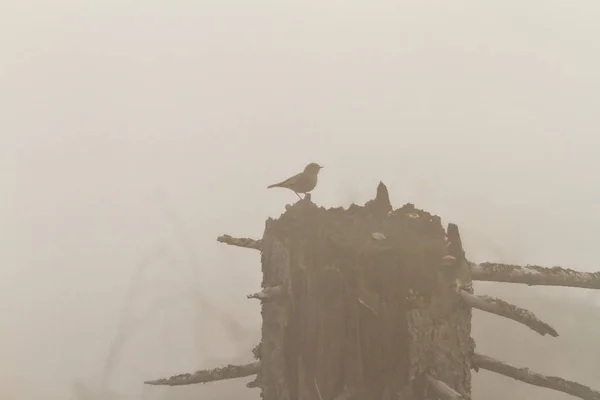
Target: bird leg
{"points": [[298, 195]]}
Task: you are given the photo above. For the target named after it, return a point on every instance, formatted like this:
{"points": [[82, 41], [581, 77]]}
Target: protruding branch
{"points": [[533, 378], [241, 242], [253, 384], [534, 275], [209, 375], [268, 293], [504, 309], [444, 391]]}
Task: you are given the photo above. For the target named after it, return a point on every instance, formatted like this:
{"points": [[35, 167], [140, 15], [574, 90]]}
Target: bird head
{"points": [[313, 168]]}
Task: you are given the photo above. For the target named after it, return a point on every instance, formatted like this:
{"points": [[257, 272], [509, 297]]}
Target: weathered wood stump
{"points": [[362, 304], [370, 303]]}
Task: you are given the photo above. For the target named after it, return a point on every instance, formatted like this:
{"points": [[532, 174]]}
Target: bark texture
{"points": [[273, 377]]}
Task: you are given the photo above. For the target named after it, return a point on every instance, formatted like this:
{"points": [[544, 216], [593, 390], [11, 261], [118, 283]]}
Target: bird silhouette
{"points": [[303, 182]]}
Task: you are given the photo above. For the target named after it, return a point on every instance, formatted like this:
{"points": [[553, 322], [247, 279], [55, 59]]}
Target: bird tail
{"points": [[274, 185]]}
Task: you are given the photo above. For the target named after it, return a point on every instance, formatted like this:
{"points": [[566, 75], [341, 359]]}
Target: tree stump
{"points": [[362, 304], [370, 303]]}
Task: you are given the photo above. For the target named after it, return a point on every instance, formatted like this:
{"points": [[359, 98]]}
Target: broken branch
{"points": [[267, 293], [534, 275], [209, 375], [533, 378], [241, 242], [253, 384], [504, 309], [444, 391]]}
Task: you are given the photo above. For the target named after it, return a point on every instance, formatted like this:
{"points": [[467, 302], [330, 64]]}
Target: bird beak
{"points": [[320, 166]]}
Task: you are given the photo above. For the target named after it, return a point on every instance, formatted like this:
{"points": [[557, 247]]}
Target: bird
{"points": [[303, 182]]}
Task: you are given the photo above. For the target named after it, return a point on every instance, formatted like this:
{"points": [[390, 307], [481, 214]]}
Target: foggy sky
{"points": [[485, 113]]}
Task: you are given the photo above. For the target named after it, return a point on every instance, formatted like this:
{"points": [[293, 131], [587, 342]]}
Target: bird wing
{"points": [[289, 181]]}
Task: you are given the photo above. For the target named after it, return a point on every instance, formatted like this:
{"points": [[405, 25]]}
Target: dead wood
{"points": [[273, 374], [534, 275], [209, 375], [241, 242], [533, 378], [366, 303], [269, 293], [370, 302], [504, 309]]}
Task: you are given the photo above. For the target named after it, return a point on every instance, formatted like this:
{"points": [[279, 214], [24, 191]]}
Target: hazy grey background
{"points": [[485, 113]]}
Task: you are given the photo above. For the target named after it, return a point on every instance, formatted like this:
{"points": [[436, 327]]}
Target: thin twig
{"points": [[241, 242], [268, 293], [124, 328], [209, 375], [504, 309], [194, 263], [533, 378]]}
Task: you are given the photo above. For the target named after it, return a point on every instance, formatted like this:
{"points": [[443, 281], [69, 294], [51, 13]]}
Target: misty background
{"points": [[118, 117]]}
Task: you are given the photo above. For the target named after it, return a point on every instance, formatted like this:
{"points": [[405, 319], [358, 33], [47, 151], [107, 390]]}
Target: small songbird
{"points": [[303, 182]]}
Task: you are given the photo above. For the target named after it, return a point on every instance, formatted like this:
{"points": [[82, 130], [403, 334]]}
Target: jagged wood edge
{"points": [[533, 378], [534, 275], [209, 375], [500, 307]]}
